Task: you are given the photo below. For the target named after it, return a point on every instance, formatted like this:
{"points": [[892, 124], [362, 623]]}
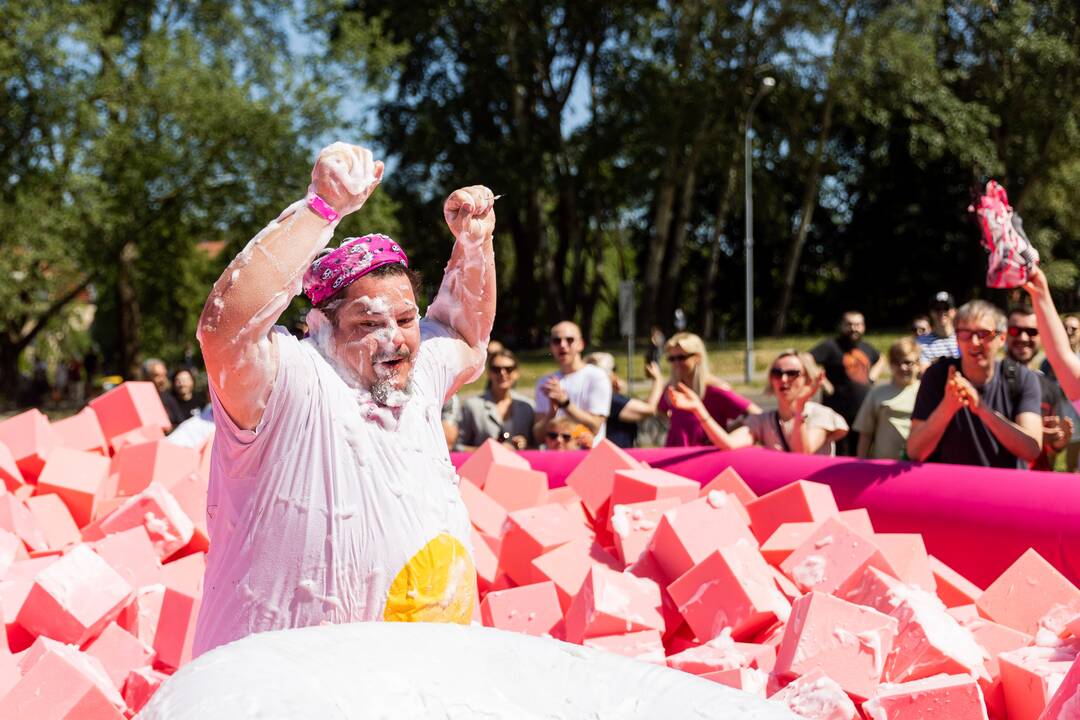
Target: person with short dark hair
{"points": [[577, 389], [941, 340], [1021, 348], [335, 497], [851, 365], [499, 413], [181, 402], [968, 411]]}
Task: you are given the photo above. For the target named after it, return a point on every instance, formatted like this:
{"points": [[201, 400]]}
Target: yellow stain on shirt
{"points": [[438, 584]]}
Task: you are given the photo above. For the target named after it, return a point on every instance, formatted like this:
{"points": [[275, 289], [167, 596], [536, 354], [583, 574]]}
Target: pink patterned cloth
{"points": [[355, 258], [1012, 258]]}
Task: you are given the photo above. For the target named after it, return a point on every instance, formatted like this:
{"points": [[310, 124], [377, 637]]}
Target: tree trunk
{"points": [[9, 374], [723, 207], [128, 316], [813, 181], [674, 260], [658, 248]]}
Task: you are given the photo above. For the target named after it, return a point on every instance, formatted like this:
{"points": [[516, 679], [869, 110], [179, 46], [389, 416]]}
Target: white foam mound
{"points": [[416, 670]]}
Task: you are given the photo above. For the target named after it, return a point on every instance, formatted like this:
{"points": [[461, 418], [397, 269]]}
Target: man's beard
{"points": [[383, 391]]}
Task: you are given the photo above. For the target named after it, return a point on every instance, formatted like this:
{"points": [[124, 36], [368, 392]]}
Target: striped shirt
{"points": [[932, 347]]}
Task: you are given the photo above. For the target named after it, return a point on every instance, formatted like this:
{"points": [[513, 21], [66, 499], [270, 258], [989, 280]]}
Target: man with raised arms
{"points": [[332, 498]]}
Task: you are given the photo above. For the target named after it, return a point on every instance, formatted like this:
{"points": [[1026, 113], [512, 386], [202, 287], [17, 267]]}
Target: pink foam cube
{"points": [[687, 534], [516, 488], [131, 553], [10, 474], [816, 696], [140, 686], [491, 453], [129, 406], [63, 683], [786, 587], [633, 526], [530, 609], [1065, 703], [906, 554], [81, 431], [749, 680], [723, 653], [928, 640], [486, 514], [592, 478], [1031, 675], [731, 482], [30, 439], [9, 672], [190, 494], [849, 642], [800, 501], [873, 589], [75, 476], [994, 639], [858, 519], [645, 645], [160, 461], [647, 568], [567, 565], [785, 539], [17, 519], [142, 615], [953, 588], [1029, 593], [832, 558], [634, 486], [730, 588], [945, 697], [138, 436], [155, 509], [486, 561], [612, 603], [179, 610], [532, 532], [119, 652], [53, 517], [74, 598]]}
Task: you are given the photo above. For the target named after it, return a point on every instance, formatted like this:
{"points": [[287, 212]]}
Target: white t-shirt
{"points": [[589, 388], [323, 515]]}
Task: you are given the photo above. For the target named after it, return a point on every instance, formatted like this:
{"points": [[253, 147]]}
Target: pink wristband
{"points": [[321, 208]]}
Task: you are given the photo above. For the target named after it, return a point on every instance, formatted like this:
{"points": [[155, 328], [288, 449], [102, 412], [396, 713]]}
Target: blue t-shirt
{"points": [[966, 440]]}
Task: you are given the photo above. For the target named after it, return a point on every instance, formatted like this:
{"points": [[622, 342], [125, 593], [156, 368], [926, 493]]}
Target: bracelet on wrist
{"points": [[564, 404]]}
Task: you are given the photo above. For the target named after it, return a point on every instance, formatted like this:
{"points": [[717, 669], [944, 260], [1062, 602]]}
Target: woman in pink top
{"points": [[690, 366]]}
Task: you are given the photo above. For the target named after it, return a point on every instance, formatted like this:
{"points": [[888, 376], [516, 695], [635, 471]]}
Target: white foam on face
{"points": [[436, 672]]}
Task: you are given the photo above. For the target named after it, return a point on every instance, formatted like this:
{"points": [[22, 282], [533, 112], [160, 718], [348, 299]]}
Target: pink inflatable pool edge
{"points": [[977, 520]]}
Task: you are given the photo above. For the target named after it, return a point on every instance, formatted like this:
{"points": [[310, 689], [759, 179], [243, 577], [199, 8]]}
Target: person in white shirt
{"points": [[576, 389], [332, 498]]}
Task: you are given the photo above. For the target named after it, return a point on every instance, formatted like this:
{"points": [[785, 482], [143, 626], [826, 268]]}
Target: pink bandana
{"points": [[355, 258]]}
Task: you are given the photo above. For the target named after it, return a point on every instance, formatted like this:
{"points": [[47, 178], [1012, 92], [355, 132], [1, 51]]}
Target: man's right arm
{"points": [[234, 329], [927, 432]]}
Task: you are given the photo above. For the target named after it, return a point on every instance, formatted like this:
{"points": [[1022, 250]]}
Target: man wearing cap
{"points": [[332, 498], [941, 340]]}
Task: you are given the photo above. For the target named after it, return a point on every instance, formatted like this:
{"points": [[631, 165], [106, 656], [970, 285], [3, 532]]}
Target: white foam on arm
{"points": [[256, 287]]}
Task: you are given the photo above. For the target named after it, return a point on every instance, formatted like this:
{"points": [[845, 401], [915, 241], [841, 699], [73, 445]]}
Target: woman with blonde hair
{"points": [[690, 367], [798, 424]]}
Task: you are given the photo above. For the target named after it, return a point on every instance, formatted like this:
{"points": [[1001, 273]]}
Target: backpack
{"points": [[1012, 257]]}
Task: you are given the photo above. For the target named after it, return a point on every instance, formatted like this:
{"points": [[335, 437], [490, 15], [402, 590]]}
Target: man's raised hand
{"points": [[470, 211], [345, 176]]}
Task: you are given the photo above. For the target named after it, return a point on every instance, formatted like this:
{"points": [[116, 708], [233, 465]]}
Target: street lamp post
{"points": [[767, 84]]}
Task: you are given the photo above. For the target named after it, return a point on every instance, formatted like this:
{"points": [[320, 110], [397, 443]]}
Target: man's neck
{"points": [[976, 374], [573, 366], [945, 329]]}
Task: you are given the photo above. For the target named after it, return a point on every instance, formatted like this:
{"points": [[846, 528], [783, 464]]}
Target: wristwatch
{"points": [[564, 403], [322, 208]]}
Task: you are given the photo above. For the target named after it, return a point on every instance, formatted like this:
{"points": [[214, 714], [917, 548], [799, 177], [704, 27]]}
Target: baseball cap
{"points": [[943, 299]]}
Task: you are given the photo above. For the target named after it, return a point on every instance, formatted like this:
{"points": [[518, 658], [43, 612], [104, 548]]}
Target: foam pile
{"points": [[784, 596]]}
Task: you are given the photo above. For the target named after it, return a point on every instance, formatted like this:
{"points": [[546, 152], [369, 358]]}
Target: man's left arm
{"points": [[466, 299], [878, 363]]}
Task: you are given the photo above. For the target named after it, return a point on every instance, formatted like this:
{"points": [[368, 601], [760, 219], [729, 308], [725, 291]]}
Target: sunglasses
{"points": [[983, 335], [503, 369], [561, 340], [566, 437], [678, 358], [780, 373], [1017, 331]]}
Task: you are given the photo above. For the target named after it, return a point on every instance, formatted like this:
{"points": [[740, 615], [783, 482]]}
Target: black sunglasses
{"points": [[566, 437], [780, 373], [503, 369], [1017, 331], [678, 358]]}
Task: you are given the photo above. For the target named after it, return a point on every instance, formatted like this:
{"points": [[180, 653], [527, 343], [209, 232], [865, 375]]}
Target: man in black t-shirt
{"points": [[969, 411], [1021, 347], [851, 367]]}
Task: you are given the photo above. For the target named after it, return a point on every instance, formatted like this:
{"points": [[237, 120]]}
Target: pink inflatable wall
{"points": [[977, 520]]}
